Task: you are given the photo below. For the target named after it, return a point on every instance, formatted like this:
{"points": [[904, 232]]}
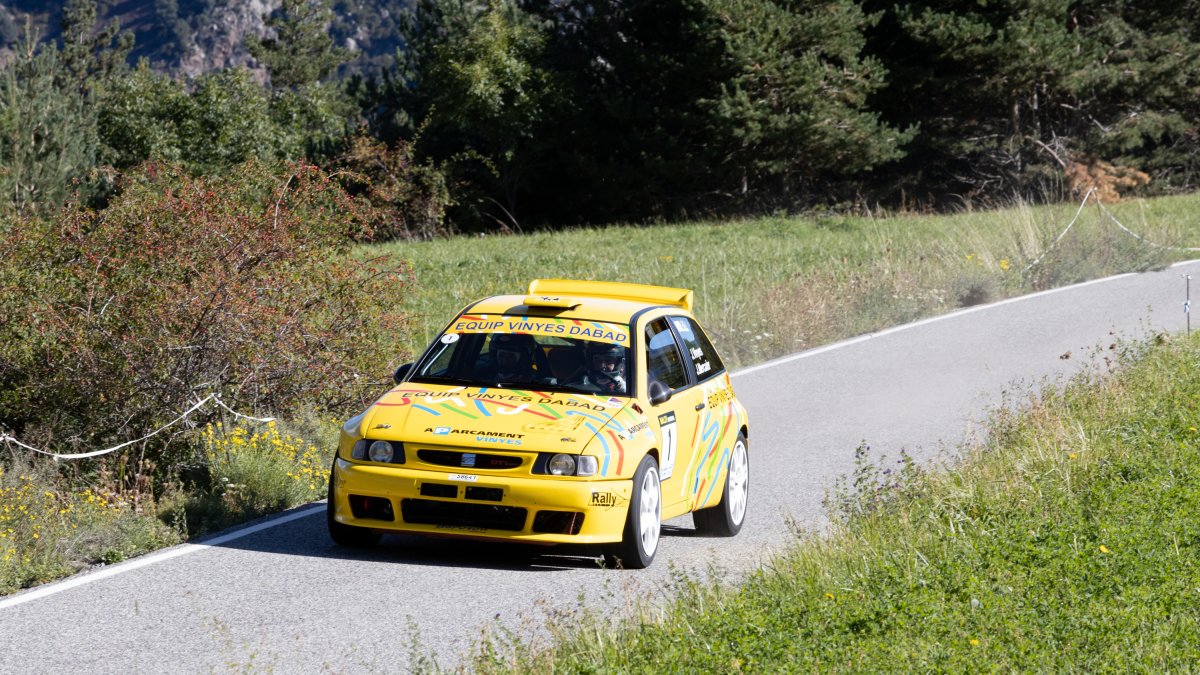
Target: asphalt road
{"points": [[284, 598]]}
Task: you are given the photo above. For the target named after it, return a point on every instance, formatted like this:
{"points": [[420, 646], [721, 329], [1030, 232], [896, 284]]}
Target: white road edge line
{"points": [[185, 549], [151, 558]]}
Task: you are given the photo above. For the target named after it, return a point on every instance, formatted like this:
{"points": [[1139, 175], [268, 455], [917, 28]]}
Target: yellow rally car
{"points": [[582, 413]]}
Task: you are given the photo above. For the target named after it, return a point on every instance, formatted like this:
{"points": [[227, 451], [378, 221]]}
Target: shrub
{"points": [[235, 284], [409, 199], [252, 471], [49, 530]]}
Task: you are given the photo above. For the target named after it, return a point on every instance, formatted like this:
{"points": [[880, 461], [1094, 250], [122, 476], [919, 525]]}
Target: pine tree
{"points": [[1009, 93], [88, 56], [47, 132], [301, 51]]}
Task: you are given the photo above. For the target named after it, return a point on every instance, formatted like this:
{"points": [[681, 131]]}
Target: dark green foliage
{"points": [[638, 141], [593, 110], [90, 56], [47, 133], [371, 29], [1009, 94], [555, 112], [794, 111], [482, 98], [223, 119], [301, 51], [237, 284], [173, 30]]}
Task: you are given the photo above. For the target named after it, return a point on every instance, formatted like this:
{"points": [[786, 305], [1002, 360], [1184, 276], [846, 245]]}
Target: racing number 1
{"points": [[670, 440]]}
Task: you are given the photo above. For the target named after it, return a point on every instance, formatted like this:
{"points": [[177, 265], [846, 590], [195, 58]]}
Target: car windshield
{"points": [[587, 357]]}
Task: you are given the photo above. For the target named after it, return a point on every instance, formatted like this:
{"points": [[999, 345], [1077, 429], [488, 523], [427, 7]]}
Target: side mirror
{"points": [[401, 373], [659, 393]]}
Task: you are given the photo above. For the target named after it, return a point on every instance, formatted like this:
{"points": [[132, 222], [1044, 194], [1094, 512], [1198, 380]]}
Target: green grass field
{"points": [[773, 286]]}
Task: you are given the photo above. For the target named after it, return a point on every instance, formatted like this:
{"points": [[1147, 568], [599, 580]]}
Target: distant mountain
{"points": [[190, 37]]}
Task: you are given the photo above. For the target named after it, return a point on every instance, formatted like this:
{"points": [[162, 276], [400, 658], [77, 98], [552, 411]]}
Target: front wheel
{"points": [[726, 518], [643, 525], [342, 534]]}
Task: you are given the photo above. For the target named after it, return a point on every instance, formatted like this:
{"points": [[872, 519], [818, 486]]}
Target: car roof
{"points": [[596, 300]]}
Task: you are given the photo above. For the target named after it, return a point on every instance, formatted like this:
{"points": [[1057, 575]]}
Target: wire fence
{"points": [[1090, 195], [211, 398]]}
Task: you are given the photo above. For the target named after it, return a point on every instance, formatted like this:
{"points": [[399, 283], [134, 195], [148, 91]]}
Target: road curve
{"points": [[283, 597]]}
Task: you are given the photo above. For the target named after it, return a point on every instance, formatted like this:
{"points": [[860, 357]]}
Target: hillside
{"points": [[189, 37]]}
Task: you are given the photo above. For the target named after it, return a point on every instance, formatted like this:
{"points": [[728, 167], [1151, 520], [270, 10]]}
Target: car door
{"points": [[717, 415], [677, 418]]}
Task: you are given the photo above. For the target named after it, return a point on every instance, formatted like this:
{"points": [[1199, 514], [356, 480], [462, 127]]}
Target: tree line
{"points": [[508, 114]]}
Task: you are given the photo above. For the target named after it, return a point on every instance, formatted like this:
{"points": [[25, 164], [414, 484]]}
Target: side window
{"points": [[704, 358], [663, 360]]}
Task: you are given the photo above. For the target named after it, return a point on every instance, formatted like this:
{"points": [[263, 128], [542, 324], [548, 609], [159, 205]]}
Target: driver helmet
{"points": [[606, 366], [512, 353]]}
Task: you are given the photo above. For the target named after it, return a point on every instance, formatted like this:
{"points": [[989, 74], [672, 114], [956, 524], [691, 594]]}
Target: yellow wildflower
{"points": [[1103, 548]]}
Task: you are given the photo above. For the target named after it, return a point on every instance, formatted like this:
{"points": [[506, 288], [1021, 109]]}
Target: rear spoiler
{"points": [[562, 293]]}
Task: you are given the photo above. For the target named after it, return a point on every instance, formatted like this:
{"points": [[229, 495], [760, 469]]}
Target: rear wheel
{"points": [[726, 518], [340, 533], [643, 525]]}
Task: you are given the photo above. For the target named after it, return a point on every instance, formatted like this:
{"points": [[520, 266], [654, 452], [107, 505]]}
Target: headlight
{"points": [[360, 450], [380, 451], [561, 465]]}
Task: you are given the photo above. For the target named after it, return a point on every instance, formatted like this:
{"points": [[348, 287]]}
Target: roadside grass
{"points": [[1068, 541], [54, 523], [764, 288], [773, 286]]}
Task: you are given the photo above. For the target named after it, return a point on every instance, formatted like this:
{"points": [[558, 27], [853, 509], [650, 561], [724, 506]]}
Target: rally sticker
{"points": [[463, 477], [449, 338], [670, 440], [596, 331]]}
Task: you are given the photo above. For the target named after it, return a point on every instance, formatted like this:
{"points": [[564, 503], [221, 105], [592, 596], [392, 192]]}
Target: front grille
{"points": [[375, 508], [429, 512], [469, 460], [558, 522]]}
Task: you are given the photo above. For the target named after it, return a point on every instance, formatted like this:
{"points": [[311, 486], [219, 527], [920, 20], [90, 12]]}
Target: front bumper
{"points": [[551, 510]]}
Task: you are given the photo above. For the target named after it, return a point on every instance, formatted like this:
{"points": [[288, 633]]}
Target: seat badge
{"points": [[382, 426], [468, 459]]}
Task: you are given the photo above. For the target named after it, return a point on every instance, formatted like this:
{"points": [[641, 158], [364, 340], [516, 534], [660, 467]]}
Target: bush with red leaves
{"points": [[113, 322]]}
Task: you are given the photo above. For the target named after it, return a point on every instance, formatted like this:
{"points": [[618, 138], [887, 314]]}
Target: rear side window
{"points": [[663, 360], [704, 358]]}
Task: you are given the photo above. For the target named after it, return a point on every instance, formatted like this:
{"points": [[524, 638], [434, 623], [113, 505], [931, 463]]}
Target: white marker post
{"points": [[1187, 302]]}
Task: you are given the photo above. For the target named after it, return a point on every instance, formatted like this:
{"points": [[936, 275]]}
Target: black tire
{"points": [[726, 518], [643, 523], [342, 534]]}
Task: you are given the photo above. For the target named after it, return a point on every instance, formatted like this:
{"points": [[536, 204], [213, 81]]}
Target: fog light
{"points": [[380, 451], [561, 465], [587, 466]]}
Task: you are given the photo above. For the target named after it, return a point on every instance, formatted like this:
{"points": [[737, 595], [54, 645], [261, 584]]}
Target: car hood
{"points": [[492, 418]]}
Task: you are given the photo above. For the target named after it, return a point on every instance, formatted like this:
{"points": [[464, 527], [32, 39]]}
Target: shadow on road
{"points": [[307, 536]]}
